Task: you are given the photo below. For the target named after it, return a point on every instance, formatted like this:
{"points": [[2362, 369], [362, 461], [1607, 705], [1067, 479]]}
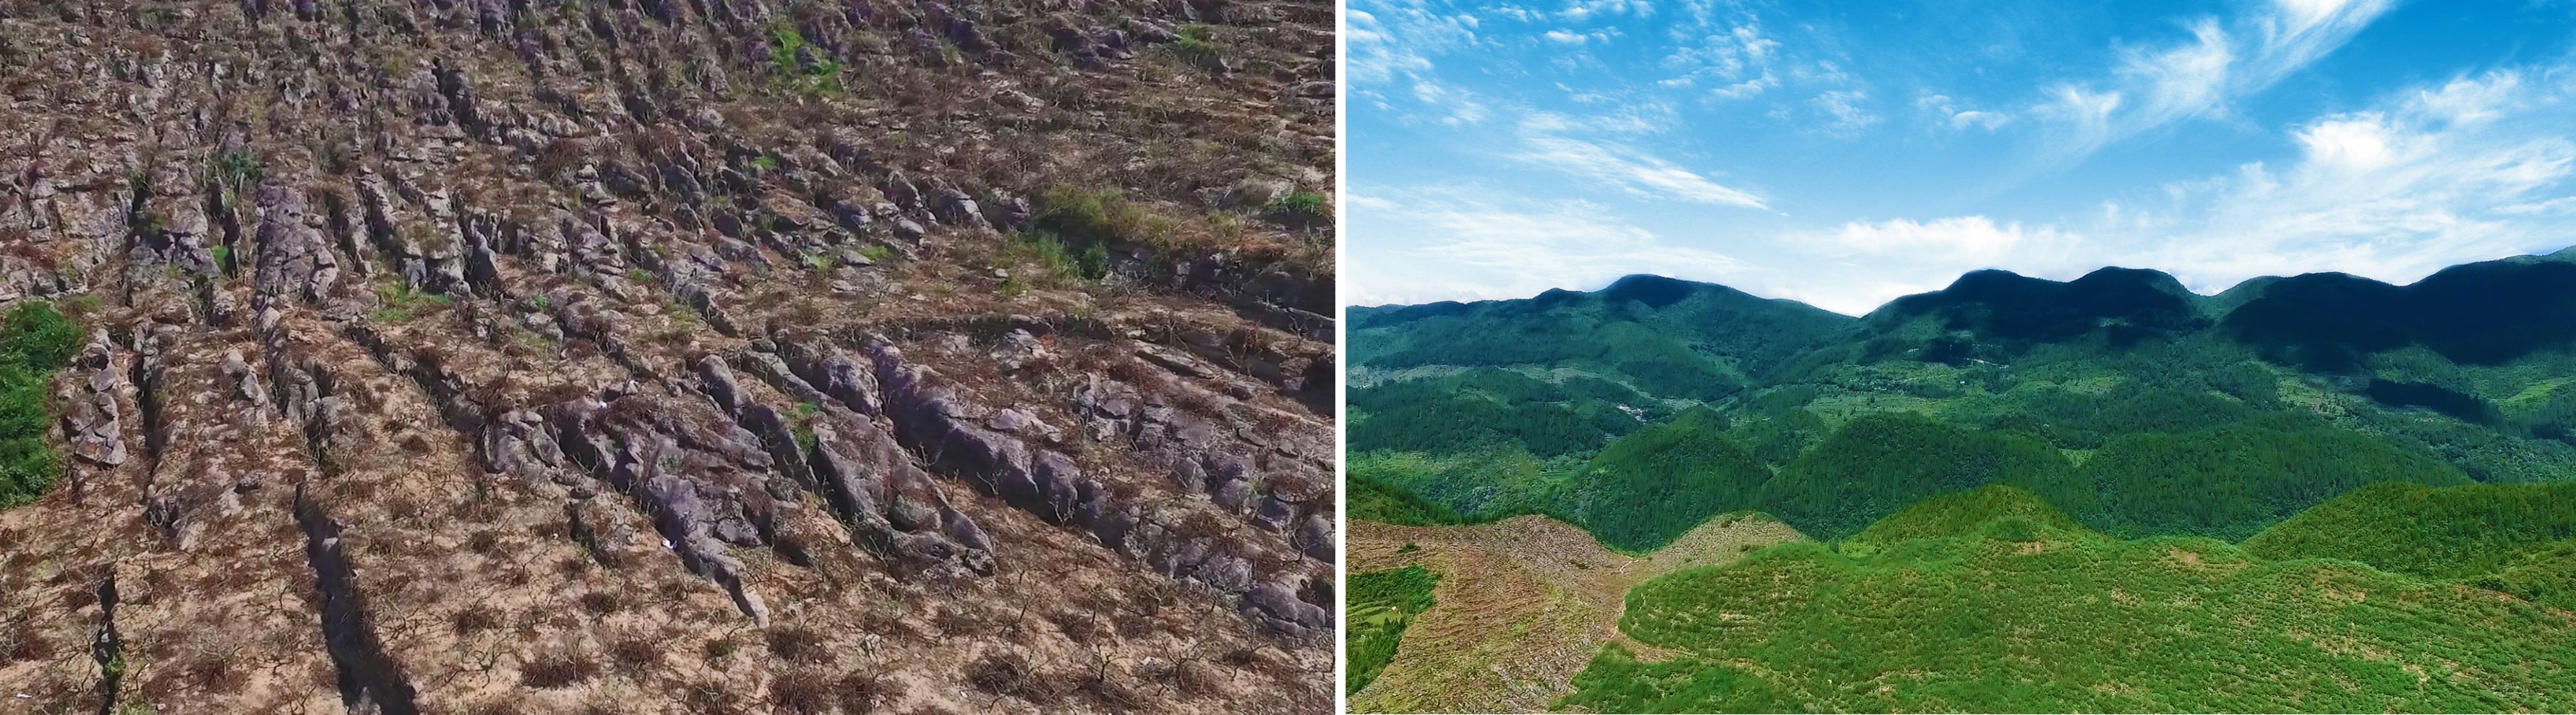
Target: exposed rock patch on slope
{"points": [[674, 357]]}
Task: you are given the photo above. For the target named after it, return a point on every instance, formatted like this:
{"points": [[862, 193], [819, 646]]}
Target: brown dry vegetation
{"points": [[557, 202]]}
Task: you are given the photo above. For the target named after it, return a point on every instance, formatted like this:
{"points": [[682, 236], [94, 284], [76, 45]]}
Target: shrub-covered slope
{"points": [[2020, 611]]}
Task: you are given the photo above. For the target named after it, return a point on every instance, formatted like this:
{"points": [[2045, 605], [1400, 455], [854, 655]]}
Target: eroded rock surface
{"points": [[660, 357]]}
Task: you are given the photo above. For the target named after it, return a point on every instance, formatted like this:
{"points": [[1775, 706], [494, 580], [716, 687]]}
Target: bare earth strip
{"points": [[1522, 604]]}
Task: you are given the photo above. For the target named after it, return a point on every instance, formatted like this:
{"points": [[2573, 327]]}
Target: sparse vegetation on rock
{"points": [[656, 357]]}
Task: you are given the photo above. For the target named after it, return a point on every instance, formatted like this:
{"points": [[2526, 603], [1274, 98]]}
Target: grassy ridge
{"points": [[1382, 603], [2444, 532], [2023, 612], [35, 340]]}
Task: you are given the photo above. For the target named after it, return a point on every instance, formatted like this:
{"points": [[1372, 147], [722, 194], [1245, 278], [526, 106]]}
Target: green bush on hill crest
{"points": [[1879, 463], [1648, 488]]}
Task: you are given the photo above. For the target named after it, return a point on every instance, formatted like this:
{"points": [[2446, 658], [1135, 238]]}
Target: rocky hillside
{"points": [[649, 356]]}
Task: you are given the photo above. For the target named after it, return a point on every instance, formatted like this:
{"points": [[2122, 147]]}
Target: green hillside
{"points": [[2442, 532], [1382, 603], [2229, 482], [2021, 611], [1878, 464], [1649, 487], [2311, 493]]}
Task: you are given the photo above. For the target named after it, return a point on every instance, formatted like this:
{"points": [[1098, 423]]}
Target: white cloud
{"points": [[1499, 246], [1570, 37], [2151, 87], [1581, 10], [1738, 58], [1940, 105], [1856, 267], [2469, 101], [1390, 37], [1451, 106], [2472, 170], [1845, 108], [1968, 239], [1621, 166], [2358, 143], [1988, 121]]}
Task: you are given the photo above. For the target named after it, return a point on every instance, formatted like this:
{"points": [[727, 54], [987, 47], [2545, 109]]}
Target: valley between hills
{"points": [[2315, 493]]}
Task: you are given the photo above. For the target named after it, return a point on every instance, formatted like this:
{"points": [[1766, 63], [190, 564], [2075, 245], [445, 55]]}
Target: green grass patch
{"points": [[1381, 604], [797, 66], [1197, 45], [400, 302], [1372, 499], [1086, 216], [35, 340], [1060, 264]]}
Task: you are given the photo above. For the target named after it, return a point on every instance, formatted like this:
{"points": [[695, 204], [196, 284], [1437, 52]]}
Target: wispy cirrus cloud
{"points": [[1393, 38], [2152, 87], [1625, 167]]}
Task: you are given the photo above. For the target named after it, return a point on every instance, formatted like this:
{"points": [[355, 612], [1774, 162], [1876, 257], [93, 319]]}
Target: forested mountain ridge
{"points": [[2121, 375]]}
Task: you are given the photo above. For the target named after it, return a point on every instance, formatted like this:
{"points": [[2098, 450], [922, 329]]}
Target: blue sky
{"points": [[1845, 153]]}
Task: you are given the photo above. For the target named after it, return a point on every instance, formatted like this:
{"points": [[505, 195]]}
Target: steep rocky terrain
{"points": [[649, 356]]}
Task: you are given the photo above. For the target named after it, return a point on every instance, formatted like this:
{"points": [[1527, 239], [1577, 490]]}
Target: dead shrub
{"points": [[1010, 674], [721, 648], [802, 691], [475, 619], [634, 653], [710, 699], [601, 603], [562, 668], [20, 641], [864, 692], [795, 644]]}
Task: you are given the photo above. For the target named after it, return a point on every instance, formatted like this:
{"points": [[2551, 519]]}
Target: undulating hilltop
{"points": [[645, 356], [2317, 492]]}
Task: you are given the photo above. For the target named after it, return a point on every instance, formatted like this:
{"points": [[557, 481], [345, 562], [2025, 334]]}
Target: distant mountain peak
{"points": [[1654, 290]]}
